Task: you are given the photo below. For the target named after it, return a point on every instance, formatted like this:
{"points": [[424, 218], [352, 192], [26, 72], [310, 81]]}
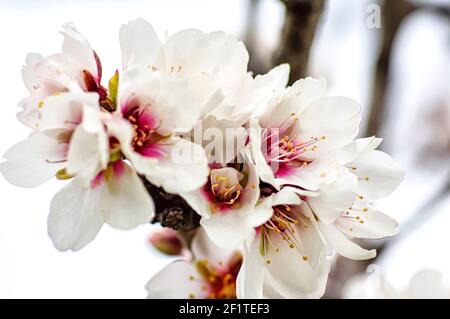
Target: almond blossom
{"points": [[76, 69], [211, 274], [154, 109], [213, 64], [286, 255]]}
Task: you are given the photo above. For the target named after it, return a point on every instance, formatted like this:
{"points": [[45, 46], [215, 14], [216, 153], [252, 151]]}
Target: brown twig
{"points": [[171, 210]]}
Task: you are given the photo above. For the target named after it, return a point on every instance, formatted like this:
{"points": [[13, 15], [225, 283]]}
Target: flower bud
{"points": [[167, 241]]}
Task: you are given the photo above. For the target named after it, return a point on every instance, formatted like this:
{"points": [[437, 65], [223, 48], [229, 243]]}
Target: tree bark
{"points": [[393, 14], [301, 20]]}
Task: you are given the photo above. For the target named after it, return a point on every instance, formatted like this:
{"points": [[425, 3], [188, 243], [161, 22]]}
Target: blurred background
{"points": [[391, 56]]}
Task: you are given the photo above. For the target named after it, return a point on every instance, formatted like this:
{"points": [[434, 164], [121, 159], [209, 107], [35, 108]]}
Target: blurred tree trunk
{"points": [[392, 14], [251, 39], [301, 19]]}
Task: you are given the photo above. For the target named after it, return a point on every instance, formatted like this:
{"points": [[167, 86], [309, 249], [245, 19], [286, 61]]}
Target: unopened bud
{"points": [[167, 241]]}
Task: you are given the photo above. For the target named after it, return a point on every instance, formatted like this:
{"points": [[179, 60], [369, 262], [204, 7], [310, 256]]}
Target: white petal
{"points": [[75, 217], [89, 147], [286, 196], [312, 176], [125, 201], [173, 282], [221, 139], [167, 98], [28, 73], [37, 159], [349, 152], [255, 93], [257, 157], [332, 120], [204, 249], [227, 229], [199, 202], [250, 280], [210, 61], [344, 246], [294, 100], [186, 168], [289, 274], [334, 198], [140, 45], [364, 221], [378, 173], [66, 109], [78, 48], [214, 52]]}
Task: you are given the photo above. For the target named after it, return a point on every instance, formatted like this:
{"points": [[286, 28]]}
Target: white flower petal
{"points": [[125, 200], [222, 139], [140, 46], [215, 52], [173, 282], [186, 168], [312, 176], [257, 157], [344, 246], [66, 109], [250, 280], [75, 217], [199, 202], [227, 229], [28, 71], [78, 49], [292, 101], [364, 221], [349, 152], [166, 98], [204, 249], [255, 93], [89, 147], [289, 274], [334, 121], [378, 173], [37, 159], [334, 198], [286, 196]]}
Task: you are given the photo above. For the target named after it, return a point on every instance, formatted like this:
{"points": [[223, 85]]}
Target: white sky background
{"points": [[118, 264]]}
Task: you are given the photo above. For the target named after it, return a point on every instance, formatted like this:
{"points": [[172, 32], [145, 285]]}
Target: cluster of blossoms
{"points": [[275, 172]]}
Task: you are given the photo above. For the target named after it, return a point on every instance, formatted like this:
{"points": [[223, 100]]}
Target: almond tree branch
{"points": [[171, 210]]}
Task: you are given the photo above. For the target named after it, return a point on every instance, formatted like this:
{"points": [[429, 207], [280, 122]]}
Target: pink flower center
{"points": [[146, 141], [282, 149]]}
